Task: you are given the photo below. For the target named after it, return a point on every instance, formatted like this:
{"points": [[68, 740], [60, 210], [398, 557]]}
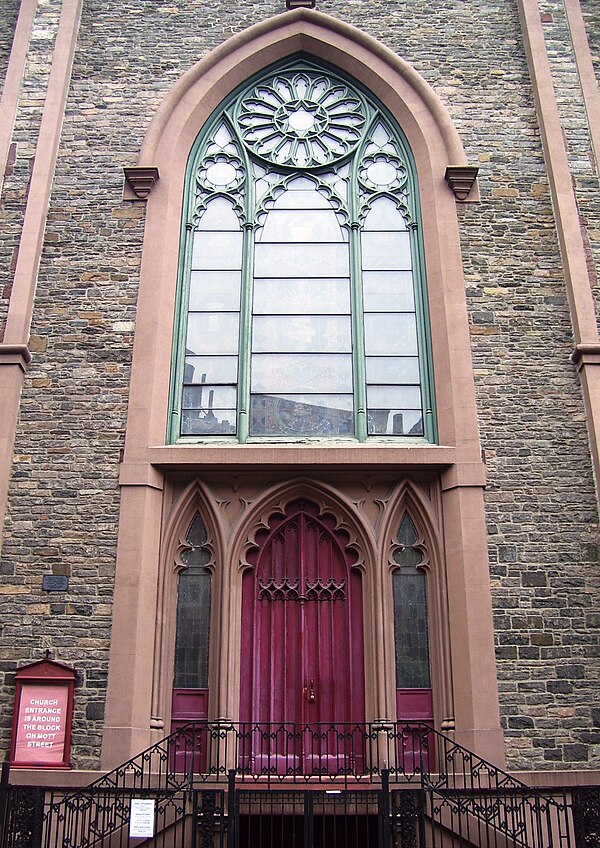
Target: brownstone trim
{"points": [[179, 510], [585, 69], [20, 306], [14, 79], [15, 355], [566, 214], [583, 314], [269, 456], [586, 354]]}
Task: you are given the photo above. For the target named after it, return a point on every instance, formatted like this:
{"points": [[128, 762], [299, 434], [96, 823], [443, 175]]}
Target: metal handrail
{"points": [[205, 751]]}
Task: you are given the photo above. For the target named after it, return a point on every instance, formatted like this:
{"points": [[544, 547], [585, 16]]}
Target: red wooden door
{"points": [[302, 637]]}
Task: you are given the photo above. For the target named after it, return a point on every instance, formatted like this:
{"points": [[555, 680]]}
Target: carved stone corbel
{"points": [[140, 182], [461, 179]]}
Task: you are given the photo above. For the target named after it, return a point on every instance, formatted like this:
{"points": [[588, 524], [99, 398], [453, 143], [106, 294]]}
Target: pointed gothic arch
{"points": [[194, 499], [434, 143], [254, 520]]}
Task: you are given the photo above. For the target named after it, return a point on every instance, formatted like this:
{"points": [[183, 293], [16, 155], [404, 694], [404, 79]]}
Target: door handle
{"points": [[311, 692]]}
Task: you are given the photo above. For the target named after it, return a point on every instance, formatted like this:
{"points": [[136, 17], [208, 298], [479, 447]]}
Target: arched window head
{"points": [[193, 611], [302, 307], [410, 611]]}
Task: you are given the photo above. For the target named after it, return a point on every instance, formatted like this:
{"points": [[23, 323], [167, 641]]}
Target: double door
{"points": [[302, 694]]}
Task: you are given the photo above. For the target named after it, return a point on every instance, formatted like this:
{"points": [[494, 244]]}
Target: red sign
{"points": [[42, 719], [41, 724]]}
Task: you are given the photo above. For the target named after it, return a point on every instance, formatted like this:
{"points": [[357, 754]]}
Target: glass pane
{"points": [[394, 334], [310, 373], [210, 369], [388, 291], [394, 397], [407, 536], [311, 260], [193, 611], [210, 332], [301, 415], [384, 215], [317, 333], [211, 422], [193, 628], [392, 369], [410, 629], [394, 422], [211, 291], [196, 537], [207, 397], [306, 225], [386, 251], [218, 251], [219, 215], [292, 296], [302, 193]]}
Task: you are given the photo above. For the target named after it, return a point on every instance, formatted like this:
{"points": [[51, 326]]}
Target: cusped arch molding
{"points": [[194, 498], [328, 502], [407, 498], [422, 115]]}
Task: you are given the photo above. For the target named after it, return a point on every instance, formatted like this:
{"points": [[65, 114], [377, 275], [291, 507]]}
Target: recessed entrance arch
{"points": [[302, 673]]}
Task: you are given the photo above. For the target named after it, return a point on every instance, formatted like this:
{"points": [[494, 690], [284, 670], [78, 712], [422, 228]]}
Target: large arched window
{"points": [[302, 305]]}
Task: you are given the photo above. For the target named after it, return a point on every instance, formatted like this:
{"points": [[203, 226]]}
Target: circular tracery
{"points": [[306, 120]]}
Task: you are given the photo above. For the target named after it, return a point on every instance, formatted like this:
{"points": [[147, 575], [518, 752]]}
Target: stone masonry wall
{"points": [[8, 21], [540, 500], [24, 140]]}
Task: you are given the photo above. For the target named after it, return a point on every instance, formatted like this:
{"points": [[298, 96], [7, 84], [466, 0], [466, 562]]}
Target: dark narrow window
{"points": [[193, 612], [410, 612]]}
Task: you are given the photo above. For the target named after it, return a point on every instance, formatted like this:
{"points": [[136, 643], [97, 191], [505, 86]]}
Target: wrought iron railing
{"points": [[205, 752], [495, 818], [441, 793]]}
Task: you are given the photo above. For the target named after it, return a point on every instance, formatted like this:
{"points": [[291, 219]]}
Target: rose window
{"points": [[306, 120]]}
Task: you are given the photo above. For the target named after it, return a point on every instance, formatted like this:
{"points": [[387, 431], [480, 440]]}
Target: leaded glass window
{"points": [[302, 304], [193, 611], [410, 611]]}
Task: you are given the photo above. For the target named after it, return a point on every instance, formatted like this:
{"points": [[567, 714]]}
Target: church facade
{"points": [[301, 370]]}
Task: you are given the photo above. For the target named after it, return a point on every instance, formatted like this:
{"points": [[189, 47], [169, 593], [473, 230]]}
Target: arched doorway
{"points": [[302, 675]]}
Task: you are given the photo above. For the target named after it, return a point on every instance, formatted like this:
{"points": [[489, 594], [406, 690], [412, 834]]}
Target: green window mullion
{"points": [[359, 363], [358, 335], [423, 334], [182, 314], [245, 334]]}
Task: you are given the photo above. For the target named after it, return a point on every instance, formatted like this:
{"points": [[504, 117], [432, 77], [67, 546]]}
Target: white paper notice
{"points": [[141, 817]]}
